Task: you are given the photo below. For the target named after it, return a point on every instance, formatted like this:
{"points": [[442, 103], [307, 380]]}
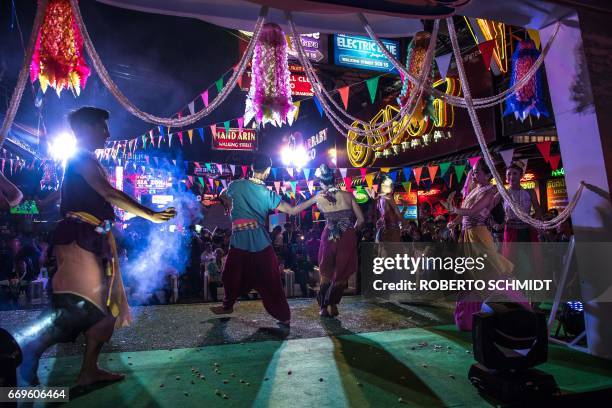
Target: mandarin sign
{"points": [[236, 139]]}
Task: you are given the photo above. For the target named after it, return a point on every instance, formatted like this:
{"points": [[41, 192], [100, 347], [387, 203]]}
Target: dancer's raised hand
{"points": [[163, 216]]}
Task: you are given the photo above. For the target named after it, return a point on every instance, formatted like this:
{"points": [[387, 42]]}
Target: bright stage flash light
{"points": [[63, 146], [296, 156]]}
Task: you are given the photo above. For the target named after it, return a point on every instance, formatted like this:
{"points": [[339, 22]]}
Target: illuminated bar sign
{"points": [[300, 86], [235, 140], [361, 52], [556, 194]]}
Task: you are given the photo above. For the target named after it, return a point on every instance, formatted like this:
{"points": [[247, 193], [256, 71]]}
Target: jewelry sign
{"points": [[236, 139]]}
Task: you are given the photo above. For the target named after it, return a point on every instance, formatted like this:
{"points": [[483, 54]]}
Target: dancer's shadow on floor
{"points": [[368, 361], [218, 333]]}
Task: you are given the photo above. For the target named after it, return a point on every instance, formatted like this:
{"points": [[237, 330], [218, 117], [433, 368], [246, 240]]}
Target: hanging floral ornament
{"points": [[58, 56], [269, 98], [527, 100], [422, 119]]}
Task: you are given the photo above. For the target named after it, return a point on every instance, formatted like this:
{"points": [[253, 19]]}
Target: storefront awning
{"points": [[389, 18]]}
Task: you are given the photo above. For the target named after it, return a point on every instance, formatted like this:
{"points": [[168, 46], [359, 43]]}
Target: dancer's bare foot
{"points": [[220, 310], [333, 310], [323, 312], [98, 375]]}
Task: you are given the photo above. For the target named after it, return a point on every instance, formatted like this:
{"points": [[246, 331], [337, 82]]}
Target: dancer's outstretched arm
{"points": [[91, 172], [288, 209]]}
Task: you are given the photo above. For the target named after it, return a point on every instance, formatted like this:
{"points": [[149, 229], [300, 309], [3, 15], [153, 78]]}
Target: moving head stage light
{"points": [[508, 341]]}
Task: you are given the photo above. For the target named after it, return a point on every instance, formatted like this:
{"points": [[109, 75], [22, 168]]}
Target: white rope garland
{"points": [[479, 103], [24, 72], [322, 94], [520, 213], [338, 122], [157, 120]]}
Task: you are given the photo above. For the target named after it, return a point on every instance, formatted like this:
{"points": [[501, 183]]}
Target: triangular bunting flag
{"points": [[226, 125], [554, 161], [201, 132], [385, 169], [233, 169], [219, 84], [348, 184], [293, 185], [201, 180], [306, 173], [170, 139], [473, 161], [219, 168], [297, 110], [444, 168], [274, 172], [161, 129], [443, 62], [277, 186], [372, 85], [213, 129], [535, 37], [240, 124], [290, 171], [486, 50], [544, 148], [190, 134], [507, 156], [432, 171], [224, 182], [191, 107], [407, 186], [375, 188], [318, 105], [459, 170], [407, 172], [310, 186], [180, 135], [343, 172], [363, 172], [204, 96], [369, 179], [344, 94], [393, 176], [211, 181], [245, 170], [417, 174]]}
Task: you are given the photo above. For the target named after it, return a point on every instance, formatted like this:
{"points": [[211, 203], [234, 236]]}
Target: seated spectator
{"points": [[214, 270]]}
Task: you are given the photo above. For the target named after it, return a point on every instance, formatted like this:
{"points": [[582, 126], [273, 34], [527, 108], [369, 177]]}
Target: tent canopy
{"points": [[389, 18]]}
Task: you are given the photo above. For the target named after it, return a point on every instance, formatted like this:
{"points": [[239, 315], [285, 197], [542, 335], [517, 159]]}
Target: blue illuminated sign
{"points": [[361, 52]]}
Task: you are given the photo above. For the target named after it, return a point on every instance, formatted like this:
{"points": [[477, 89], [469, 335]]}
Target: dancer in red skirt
{"points": [[338, 250], [251, 262]]}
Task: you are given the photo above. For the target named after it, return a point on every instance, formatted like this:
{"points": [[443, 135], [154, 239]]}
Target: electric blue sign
{"points": [[362, 52]]}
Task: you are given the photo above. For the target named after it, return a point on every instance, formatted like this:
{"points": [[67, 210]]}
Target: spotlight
{"points": [[509, 340], [62, 147], [294, 155]]}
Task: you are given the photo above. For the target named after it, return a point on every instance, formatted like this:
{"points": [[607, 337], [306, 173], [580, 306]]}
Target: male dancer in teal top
{"points": [[251, 262]]}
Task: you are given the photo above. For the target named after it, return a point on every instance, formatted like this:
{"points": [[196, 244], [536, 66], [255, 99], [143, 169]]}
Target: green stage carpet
{"points": [[412, 367]]}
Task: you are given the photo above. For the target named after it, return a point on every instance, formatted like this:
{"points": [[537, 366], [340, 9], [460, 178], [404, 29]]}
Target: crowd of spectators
{"points": [[26, 262]]}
